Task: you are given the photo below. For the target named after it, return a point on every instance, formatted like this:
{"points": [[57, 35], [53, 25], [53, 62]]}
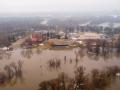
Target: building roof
{"points": [[59, 42], [88, 35]]}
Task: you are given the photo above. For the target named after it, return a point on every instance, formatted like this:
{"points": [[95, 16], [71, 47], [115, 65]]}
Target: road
{"points": [[18, 42]]}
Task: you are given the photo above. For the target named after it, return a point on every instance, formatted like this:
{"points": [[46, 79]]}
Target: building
{"points": [[58, 42], [87, 37], [37, 37]]}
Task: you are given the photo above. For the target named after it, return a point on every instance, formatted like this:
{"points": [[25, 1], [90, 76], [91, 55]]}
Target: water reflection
{"points": [[95, 80], [54, 64], [95, 53], [27, 53], [65, 62], [38, 50], [11, 74], [5, 54]]}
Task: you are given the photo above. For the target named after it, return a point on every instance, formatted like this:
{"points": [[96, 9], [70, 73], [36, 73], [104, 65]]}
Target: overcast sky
{"points": [[20, 6]]}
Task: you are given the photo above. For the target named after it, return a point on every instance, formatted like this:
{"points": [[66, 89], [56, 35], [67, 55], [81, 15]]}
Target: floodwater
{"points": [[46, 65]]}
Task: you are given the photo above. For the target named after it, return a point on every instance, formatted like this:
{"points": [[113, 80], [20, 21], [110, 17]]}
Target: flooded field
{"points": [[36, 69]]}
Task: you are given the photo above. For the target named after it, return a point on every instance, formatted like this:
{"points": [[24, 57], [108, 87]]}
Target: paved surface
{"points": [[18, 42]]}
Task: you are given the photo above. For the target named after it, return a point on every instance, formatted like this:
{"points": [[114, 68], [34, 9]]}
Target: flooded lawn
{"points": [[35, 69]]}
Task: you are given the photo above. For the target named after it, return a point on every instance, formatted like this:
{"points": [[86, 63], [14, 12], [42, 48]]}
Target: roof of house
{"points": [[59, 42]]}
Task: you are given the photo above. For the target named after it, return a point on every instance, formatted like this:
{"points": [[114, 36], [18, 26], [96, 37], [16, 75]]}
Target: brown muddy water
{"points": [[35, 69]]}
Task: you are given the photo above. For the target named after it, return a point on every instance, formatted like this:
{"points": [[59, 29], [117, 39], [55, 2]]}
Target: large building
{"points": [[37, 37], [87, 37]]}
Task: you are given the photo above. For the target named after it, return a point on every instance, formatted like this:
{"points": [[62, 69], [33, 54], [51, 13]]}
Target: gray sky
{"points": [[20, 6]]}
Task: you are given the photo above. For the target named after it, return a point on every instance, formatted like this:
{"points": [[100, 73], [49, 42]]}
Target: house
{"points": [[58, 42], [37, 37]]}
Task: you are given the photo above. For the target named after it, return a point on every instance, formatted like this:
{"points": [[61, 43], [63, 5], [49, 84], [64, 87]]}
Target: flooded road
{"points": [[32, 67]]}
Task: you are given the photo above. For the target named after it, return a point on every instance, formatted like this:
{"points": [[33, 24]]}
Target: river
{"points": [[36, 66]]}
